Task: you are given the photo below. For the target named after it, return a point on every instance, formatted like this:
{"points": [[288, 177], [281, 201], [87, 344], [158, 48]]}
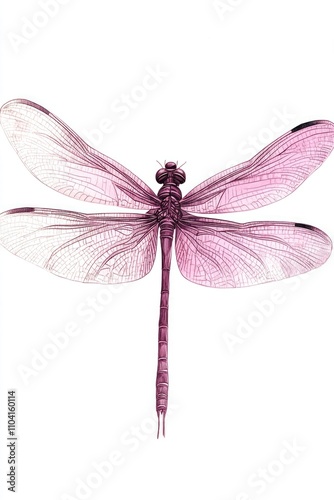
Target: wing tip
{"points": [[327, 240], [22, 210], [305, 226], [310, 124], [13, 102]]}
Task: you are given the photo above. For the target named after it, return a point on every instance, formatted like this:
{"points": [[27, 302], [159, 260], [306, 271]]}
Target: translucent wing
{"points": [[221, 254], [93, 248], [59, 158], [272, 174]]}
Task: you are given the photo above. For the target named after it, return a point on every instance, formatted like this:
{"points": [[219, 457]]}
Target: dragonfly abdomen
{"points": [[166, 237]]}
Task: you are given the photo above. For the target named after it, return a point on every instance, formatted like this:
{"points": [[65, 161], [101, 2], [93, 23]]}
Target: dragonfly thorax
{"points": [[170, 210], [170, 193]]}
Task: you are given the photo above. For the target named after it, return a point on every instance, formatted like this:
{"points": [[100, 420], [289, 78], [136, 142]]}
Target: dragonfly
{"points": [[112, 248]]}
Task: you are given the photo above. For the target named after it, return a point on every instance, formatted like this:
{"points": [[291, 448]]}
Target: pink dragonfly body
{"points": [[121, 247]]}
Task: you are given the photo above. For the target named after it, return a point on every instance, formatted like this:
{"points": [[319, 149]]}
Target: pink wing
{"points": [[272, 174], [93, 248], [59, 158], [224, 254]]}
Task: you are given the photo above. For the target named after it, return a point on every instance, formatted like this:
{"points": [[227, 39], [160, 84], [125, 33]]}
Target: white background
{"points": [[226, 73]]}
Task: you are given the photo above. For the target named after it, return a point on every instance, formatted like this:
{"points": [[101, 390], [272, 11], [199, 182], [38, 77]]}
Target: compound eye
{"points": [[161, 175], [179, 176]]}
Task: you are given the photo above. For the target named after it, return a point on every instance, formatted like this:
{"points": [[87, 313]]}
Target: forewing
{"points": [[272, 174], [59, 158], [224, 254], [93, 248]]}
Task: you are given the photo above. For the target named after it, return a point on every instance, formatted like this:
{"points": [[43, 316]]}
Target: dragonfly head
{"points": [[170, 165], [170, 171]]}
